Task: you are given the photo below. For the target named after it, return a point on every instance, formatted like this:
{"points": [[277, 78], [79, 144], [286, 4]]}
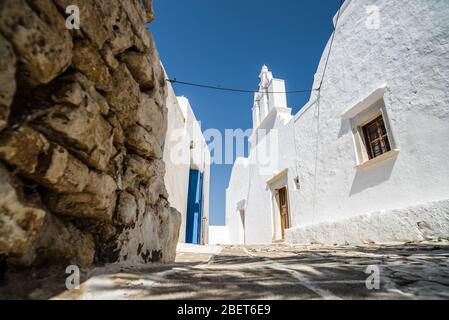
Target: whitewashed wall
{"points": [[237, 191], [200, 158], [179, 158], [177, 172], [409, 55], [218, 235]]}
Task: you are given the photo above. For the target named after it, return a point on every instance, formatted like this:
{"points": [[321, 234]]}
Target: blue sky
{"points": [[225, 43]]}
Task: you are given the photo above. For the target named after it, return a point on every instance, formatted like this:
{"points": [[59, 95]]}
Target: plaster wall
{"points": [[218, 235], [185, 149], [408, 55], [416, 223], [410, 46], [248, 185], [235, 194], [177, 159]]}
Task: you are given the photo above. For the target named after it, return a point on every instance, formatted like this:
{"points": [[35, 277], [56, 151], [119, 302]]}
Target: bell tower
{"points": [[270, 97], [270, 105]]}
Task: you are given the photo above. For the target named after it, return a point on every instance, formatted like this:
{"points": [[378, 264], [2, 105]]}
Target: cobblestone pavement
{"points": [[412, 271]]}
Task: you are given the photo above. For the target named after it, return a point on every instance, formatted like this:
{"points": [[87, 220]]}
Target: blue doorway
{"points": [[194, 207]]}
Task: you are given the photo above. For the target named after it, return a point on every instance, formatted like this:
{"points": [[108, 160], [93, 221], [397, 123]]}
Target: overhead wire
{"points": [[205, 86]]}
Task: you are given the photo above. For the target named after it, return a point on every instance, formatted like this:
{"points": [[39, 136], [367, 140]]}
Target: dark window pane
{"points": [[384, 130], [376, 137], [377, 148], [372, 132], [387, 144]]}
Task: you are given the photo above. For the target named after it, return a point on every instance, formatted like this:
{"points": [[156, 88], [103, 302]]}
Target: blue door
{"points": [[194, 207]]}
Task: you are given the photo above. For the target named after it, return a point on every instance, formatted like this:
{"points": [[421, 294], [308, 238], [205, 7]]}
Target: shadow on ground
{"points": [[411, 271]]}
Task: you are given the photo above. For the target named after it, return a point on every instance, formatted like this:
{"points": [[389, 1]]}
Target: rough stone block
{"points": [[22, 148], [69, 125], [104, 149], [97, 201], [144, 177], [92, 18], [127, 209], [140, 67], [115, 21], [102, 185], [143, 143], [87, 133], [136, 15], [7, 80], [19, 221], [81, 130], [155, 190], [149, 10], [83, 206], [40, 40], [154, 237], [60, 241], [74, 94], [124, 97], [140, 169], [136, 11], [152, 118], [89, 88], [123, 36], [117, 131], [87, 60], [170, 225], [109, 57], [159, 92], [64, 172]]}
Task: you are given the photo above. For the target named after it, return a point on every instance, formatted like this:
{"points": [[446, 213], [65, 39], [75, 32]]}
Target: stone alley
{"points": [[323, 176], [411, 271]]}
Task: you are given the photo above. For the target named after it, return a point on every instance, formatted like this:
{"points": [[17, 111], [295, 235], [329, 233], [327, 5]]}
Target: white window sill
{"points": [[370, 163]]}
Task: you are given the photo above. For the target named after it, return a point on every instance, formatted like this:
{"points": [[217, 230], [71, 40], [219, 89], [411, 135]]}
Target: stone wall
{"points": [[83, 121]]}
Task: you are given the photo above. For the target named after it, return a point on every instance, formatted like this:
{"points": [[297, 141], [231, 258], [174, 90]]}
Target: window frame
{"points": [[363, 113], [379, 121]]}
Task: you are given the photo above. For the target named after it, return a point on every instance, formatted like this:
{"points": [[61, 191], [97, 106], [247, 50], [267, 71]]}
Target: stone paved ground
{"points": [[413, 271]]}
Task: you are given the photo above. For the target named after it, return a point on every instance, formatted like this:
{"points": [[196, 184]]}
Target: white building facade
{"points": [[366, 159], [187, 177]]}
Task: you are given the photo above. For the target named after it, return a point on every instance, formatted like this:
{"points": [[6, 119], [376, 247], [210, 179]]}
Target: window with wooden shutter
{"points": [[376, 138]]}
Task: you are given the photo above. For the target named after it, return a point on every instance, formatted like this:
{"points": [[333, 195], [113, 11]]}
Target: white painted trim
{"points": [[277, 176], [278, 181], [365, 103], [384, 157], [352, 115]]}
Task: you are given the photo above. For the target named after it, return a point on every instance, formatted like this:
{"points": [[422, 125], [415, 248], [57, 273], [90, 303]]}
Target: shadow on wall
{"points": [[365, 179], [345, 128]]}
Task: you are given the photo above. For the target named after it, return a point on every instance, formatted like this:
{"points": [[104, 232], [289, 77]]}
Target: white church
{"points": [[366, 160]]}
